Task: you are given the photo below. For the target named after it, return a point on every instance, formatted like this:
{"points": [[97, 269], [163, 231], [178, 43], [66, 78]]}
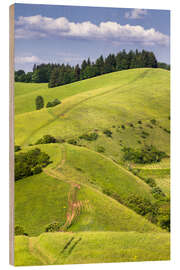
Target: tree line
{"points": [[60, 74]]}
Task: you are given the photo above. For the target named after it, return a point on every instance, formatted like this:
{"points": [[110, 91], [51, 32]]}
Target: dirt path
{"points": [[34, 252], [74, 206]]}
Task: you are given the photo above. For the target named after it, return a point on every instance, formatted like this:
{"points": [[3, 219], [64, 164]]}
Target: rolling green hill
{"points": [[130, 96], [97, 211], [27, 92], [91, 247], [87, 186]]}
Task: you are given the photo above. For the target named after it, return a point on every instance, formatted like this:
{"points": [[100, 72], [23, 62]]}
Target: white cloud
{"points": [[136, 14], [43, 27], [27, 59]]}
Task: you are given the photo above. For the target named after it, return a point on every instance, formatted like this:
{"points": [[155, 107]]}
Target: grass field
{"points": [[132, 101], [72, 189], [91, 247], [98, 212]]}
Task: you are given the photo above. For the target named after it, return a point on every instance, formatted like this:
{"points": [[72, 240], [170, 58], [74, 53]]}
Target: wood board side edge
{"points": [[11, 134]]}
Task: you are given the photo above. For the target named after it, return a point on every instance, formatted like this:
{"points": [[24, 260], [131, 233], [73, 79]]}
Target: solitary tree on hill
{"points": [[39, 102]]}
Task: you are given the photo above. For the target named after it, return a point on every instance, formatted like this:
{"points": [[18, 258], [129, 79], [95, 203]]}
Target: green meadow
{"points": [[91, 247], [96, 195]]}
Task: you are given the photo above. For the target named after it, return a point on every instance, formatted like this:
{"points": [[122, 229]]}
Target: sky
{"points": [[70, 34]]}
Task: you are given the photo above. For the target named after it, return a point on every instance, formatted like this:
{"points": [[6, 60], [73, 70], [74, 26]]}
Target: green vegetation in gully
{"points": [[90, 191]]}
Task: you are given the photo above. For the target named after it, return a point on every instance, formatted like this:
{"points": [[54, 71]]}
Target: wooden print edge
{"points": [[11, 134]]}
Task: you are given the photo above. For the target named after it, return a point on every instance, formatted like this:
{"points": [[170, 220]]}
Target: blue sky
{"points": [[69, 34]]}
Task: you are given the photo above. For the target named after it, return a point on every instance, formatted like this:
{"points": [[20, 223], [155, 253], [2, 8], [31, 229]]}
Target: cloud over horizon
{"points": [[38, 26], [27, 59], [136, 14]]}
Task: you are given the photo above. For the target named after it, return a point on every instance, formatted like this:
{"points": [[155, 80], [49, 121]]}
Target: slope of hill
{"points": [[27, 92], [43, 199], [91, 247], [88, 184], [144, 98]]}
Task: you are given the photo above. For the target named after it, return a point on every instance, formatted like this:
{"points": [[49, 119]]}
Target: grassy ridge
{"points": [[40, 200], [106, 174], [92, 247], [144, 96], [27, 92], [43, 200]]}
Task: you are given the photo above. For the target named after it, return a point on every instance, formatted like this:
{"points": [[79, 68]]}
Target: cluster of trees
{"points": [[40, 103], [30, 163], [60, 74], [46, 139], [89, 137], [148, 154], [157, 212], [53, 103]]}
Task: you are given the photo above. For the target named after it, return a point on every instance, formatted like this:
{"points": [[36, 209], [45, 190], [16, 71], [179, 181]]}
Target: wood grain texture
{"points": [[11, 134]]}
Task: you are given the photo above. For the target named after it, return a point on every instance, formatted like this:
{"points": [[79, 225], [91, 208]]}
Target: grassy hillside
{"points": [[160, 172], [91, 247], [134, 95], [88, 184], [27, 92], [42, 199]]}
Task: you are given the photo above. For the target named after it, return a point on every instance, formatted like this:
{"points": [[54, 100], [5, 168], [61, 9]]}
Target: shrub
{"points": [[53, 227], [46, 139], [37, 170], [39, 102], [166, 130], [100, 149], [108, 133], [49, 104], [163, 218], [158, 212], [56, 102], [123, 126], [79, 169], [145, 134], [157, 193], [89, 137], [148, 154], [27, 164], [53, 103], [153, 121], [139, 122], [17, 148], [131, 125], [150, 181], [72, 141], [141, 206], [19, 230]]}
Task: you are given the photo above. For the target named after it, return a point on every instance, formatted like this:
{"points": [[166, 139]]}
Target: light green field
{"points": [[98, 213], [40, 200], [91, 247], [72, 188], [141, 94], [25, 93]]}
